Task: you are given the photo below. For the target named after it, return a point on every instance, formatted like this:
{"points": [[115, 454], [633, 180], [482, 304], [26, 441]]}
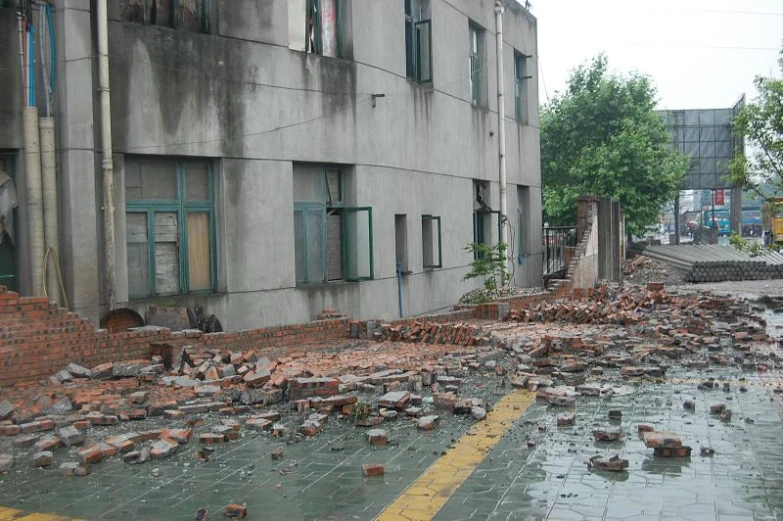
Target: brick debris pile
{"points": [[639, 331], [84, 415]]}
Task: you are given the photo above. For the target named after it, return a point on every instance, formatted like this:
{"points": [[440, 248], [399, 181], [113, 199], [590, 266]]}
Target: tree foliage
{"points": [[602, 137], [761, 124]]}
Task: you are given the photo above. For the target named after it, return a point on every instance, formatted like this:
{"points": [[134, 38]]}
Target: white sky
{"points": [[699, 53]]}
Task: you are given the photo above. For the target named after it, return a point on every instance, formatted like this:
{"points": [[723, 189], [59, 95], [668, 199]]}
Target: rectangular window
{"points": [[316, 26], [332, 241], [170, 226], [187, 15], [401, 241], [521, 78], [475, 63], [430, 241], [523, 199], [418, 41]]}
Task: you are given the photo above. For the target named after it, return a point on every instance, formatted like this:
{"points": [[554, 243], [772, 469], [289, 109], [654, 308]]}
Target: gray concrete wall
{"points": [[241, 97]]}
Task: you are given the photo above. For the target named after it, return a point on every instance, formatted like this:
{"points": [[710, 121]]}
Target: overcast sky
{"points": [[700, 53]]}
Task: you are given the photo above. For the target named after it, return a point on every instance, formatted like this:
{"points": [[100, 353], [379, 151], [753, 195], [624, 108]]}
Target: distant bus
{"points": [[751, 222], [720, 220]]}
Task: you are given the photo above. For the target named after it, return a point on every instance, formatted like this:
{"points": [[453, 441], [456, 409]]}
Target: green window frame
{"points": [[474, 63], [325, 229], [418, 43], [480, 218], [520, 86], [312, 243], [183, 209], [431, 232]]}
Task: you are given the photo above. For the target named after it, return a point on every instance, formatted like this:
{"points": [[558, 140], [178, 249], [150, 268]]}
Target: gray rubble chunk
{"points": [[78, 371], [125, 369], [70, 436], [6, 462], [478, 413], [6, 409], [252, 396], [63, 376], [61, 406]]}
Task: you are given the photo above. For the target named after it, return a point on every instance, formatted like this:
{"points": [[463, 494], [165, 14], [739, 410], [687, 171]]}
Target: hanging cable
{"points": [[31, 101], [52, 50], [42, 52]]}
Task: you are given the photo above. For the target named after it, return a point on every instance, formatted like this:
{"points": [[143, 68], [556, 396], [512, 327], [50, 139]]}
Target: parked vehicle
{"points": [[718, 218]]}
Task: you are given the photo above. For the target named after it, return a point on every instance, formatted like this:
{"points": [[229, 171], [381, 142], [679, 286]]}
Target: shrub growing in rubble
{"points": [[740, 243], [489, 264]]}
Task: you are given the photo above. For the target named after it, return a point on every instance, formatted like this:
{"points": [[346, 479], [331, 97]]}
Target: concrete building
{"points": [[273, 158]]}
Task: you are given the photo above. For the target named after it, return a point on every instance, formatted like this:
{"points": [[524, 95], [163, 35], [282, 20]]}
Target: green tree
{"points": [[761, 124], [602, 137]]}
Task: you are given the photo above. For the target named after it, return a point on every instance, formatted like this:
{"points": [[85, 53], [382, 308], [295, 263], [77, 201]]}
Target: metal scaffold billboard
{"points": [[705, 136]]}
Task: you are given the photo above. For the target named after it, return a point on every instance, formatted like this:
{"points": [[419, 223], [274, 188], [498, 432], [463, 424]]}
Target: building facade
{"points": [[273, 158]]}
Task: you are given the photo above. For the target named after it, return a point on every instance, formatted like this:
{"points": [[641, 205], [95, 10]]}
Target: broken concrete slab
{"points": [[613, 464]]}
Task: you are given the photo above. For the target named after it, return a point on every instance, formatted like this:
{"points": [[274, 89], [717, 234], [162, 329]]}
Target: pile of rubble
{"points": [[78, 407], [415, 375]]}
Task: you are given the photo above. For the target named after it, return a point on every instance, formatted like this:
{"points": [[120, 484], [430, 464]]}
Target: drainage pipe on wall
{"points": [[32, 149], [501, 128], [32, 163], [106, 160], [51, 280], [50, 220]]}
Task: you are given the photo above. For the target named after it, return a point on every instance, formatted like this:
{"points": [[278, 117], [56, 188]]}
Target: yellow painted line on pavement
{"points": [[11, 514], [427, 495]]}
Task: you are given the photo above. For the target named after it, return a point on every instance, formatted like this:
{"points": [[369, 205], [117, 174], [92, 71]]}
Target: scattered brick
{"points": [[428, 423], [613, 464], [75, 469], [43, 459], [235, 511], [372, 470]]}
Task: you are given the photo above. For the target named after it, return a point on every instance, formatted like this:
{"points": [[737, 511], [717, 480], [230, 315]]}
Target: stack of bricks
{"points": [[304, 388], [460, 333]]}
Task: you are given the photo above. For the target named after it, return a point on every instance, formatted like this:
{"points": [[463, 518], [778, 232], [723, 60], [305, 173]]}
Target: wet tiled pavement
{"points": [[320, 478]]}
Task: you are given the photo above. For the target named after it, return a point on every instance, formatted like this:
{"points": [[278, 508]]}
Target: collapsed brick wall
{"points": [[37, 339]]}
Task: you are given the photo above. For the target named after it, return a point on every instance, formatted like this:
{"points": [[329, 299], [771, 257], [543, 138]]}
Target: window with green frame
{"points": [[187, 15], [520, 86], [418, 41], [332, 241], [170, 226], [474, 62], [430, 242]]}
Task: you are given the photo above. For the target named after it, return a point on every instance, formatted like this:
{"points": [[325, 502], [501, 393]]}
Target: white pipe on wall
{"points": [[106, 160], [50, 213], [32, 148], [501, 126]]}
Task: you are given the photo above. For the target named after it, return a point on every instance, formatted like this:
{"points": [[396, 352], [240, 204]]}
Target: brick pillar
{"points": [[585, 212]]}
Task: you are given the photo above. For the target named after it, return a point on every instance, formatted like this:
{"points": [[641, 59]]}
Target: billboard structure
{"points": [[705, 136]]}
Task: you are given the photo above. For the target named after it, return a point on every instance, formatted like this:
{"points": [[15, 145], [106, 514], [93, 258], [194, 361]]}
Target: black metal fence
{"points": [[555, 240]]}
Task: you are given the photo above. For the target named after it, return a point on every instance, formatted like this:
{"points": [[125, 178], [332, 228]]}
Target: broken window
{"points": [[332, 241], [316, 26], [430, 241], [170, 226], [475, 64], [188, 15], [418, 41], [520, 86]]}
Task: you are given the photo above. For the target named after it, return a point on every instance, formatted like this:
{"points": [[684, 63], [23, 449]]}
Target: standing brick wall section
{"points": [[37, 339]]}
